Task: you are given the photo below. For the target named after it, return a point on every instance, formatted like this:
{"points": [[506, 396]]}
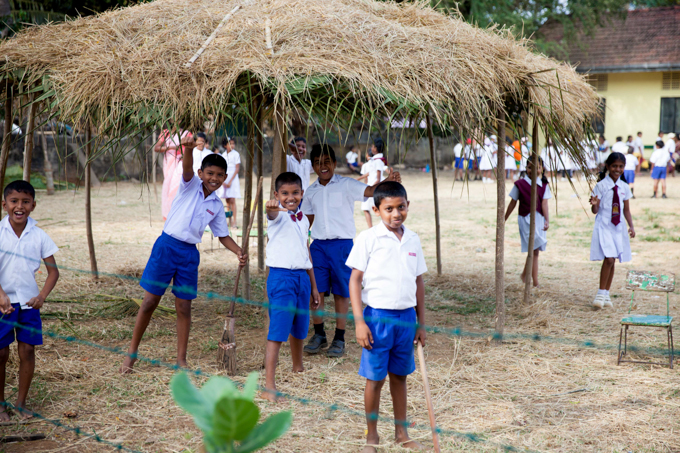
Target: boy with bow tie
{"points": [[291, 286]]}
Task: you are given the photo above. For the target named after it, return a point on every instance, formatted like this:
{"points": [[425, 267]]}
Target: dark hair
{"points": [[660, 143], [318, 150], [287, 177], [602, 137], [613, 157], [225, 140], [300, 139], [21, 187], [214, 160], [639, 132], [619, 139], [544, 180], [379, 144], [388, 189], [202, 135], [631, 150]]}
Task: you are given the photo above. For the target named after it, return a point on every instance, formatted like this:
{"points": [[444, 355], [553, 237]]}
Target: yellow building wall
{"points": [[634, 104]]}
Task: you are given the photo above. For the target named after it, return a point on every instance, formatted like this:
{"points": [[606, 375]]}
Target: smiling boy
{"points": [[22, 246], [175, 258], [297, 163]]}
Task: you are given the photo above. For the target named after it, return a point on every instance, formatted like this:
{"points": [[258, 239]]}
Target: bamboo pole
{"points": [[428, 397], [248, 197], [433, 163], [6, 137], [260, 174], [88, 204], [532, 223], [28, 143], [47, 165], [280, 143], [211, 37], [500, 226]]}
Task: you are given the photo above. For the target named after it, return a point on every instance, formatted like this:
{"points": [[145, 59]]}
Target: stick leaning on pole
{"points": [[428, 397], [226, 351]]}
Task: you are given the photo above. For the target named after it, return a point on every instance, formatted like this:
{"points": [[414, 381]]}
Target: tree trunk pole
{"points": [[260, 174], [280, 143], [6, 138], [532, 224], [49, 172], [500, 226], [433, 163], [154, 164], [88, 205], [248, 196], [28, 143]]}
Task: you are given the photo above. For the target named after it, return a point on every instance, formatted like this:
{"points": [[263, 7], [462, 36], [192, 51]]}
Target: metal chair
{"points": [[651, 282]]}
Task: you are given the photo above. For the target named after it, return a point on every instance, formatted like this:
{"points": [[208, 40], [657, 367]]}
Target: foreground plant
{"points": [[227, 417]]}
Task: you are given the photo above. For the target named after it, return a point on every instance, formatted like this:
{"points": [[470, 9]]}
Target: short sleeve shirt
{"points": [[20, 259], [191, 212], [287, 245], [631, 162], [660, 157], [332, 206], [233, 159], [604, 190], [303, 169], [457, 150], [390, 267]]}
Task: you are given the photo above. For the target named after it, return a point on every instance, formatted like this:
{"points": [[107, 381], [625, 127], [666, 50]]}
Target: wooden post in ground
{"points": [[154, 164], [6, 138], [88, 205], [532, 224], [47, 166], [433, 165], [28, 143], [248, 197], [280, 143], [500, 226], [260, 174]]}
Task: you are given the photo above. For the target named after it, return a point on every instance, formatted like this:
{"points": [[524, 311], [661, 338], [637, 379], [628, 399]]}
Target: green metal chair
{"points": [[651, 282]]}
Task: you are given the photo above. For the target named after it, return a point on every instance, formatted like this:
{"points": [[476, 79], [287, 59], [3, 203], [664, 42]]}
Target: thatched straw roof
{"points": [[341, 52]]}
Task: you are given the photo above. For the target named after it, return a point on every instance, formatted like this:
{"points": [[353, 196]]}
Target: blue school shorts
{"points": [[330, 271], [659, 172], [29, 318], [459, 162], [629, 175], [393, 334], [173, 261], [288, 291]]}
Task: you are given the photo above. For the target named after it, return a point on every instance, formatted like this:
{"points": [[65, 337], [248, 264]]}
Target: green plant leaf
{"points": [[250, 387], [217, 387], [191, 400], [234, 418], [265, 433]]}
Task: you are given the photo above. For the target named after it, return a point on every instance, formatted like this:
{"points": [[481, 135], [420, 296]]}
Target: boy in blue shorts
{"points": [[291, 280], [174, 257], [22, 246], [329, 206], [387, 261]]}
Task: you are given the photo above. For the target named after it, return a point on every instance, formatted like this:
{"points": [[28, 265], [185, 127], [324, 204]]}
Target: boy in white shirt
{"points": [[387, 260], [175, 258], [22, 245], [458, 161], [296, 163], [329, 205], [659, 160], [629, 170], [200, 151], [291, 280]]}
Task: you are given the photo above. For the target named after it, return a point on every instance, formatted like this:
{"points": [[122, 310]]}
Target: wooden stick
{"points": [[28, 143], [88, 204], [260, 173], [154, 164], [47, 166], [433, 163], [500, 226], [428, 397], [532, 222], [211, 37], [7, 136]]}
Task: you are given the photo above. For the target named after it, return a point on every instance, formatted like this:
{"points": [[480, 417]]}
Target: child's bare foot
{"points": [[370, 448], [126, 367], [23, 413], [269, 395], [182, 363], [412, 445], [4, 415], [299, 369]]}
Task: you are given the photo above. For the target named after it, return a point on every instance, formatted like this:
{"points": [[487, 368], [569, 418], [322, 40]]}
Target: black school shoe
{"points": [[337, 349], [315, 344]]}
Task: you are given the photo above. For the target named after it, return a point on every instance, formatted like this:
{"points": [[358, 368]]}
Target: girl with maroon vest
{"points": [[522, 192], [610, 238]]}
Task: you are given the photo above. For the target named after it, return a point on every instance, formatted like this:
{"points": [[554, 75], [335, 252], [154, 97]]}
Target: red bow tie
{"points": [[298, 216]]}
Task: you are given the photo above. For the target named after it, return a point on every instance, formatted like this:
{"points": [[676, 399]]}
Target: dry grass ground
{"points": [[517, 393]]}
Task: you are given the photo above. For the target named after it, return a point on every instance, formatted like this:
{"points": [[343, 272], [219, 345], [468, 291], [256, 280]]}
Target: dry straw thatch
{"points": [[342, 53]]}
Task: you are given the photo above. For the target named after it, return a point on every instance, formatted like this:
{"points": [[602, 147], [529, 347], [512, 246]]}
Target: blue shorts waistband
{"points": [[165, 237], [333, 241], [283, 270], [389, 313]]}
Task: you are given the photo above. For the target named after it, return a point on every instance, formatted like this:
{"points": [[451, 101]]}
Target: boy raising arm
{"points": [[23, 246], [388, 261], [174, 257]]}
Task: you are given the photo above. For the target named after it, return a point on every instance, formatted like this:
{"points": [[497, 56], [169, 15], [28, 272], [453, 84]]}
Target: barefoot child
{"points": [[291, 280], [329, 206], [387, 261], [23, 245], [174, 256], [522, 191], [610, 240]]}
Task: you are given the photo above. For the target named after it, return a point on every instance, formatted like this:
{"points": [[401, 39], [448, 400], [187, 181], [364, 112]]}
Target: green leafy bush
{"points": [[227, 417]]}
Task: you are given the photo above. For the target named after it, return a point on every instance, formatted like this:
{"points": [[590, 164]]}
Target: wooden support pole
{"points": [[280, 143], [260, 174], [28, 143], [532, 224], [500, 226], [47, 165], [6, 138], [433, 165], [154, 163], [88, 205], [248, 196]]}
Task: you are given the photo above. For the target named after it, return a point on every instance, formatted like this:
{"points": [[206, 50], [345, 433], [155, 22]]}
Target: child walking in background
{"points": [[521, 192], [659, 160], [24, 245], [232, 187], [610, 240], [388, 264], [632, 164], [373, 172], [291, 280]]}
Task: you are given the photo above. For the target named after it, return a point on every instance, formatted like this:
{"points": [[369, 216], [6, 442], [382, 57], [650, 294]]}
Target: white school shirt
{"points": [[198, 156], [620, 147], [287, 245], [660, 157], [20, 260], [468, 152], [631, 162], [332, 206], [457, 150], [233, 158], [191, 212], [351, 157], [390, 267], [377, 166], [637, 144], [303, 169]]}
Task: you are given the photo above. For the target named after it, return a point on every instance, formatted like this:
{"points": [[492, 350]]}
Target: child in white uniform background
{"points": [[610, 240], [373, 171], [231, 190]]}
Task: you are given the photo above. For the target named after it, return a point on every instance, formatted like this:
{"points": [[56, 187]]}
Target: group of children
{"points": [[483, 158]]}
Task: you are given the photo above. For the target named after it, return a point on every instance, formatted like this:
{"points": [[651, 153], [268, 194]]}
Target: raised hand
{"points": [[273, 206], [394, 176]]}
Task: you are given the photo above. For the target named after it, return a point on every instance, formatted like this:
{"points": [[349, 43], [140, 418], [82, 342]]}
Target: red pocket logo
{"points": [[411, 254], [210, 212]]}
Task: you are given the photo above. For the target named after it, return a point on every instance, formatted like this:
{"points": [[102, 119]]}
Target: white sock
{"points": [[601, 291], [606, 292]]}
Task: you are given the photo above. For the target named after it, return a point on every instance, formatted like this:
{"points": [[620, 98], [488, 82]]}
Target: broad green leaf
{"points": [[191, 400], [250, 387], [233, 419], [265, 433], [216, 388]]}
